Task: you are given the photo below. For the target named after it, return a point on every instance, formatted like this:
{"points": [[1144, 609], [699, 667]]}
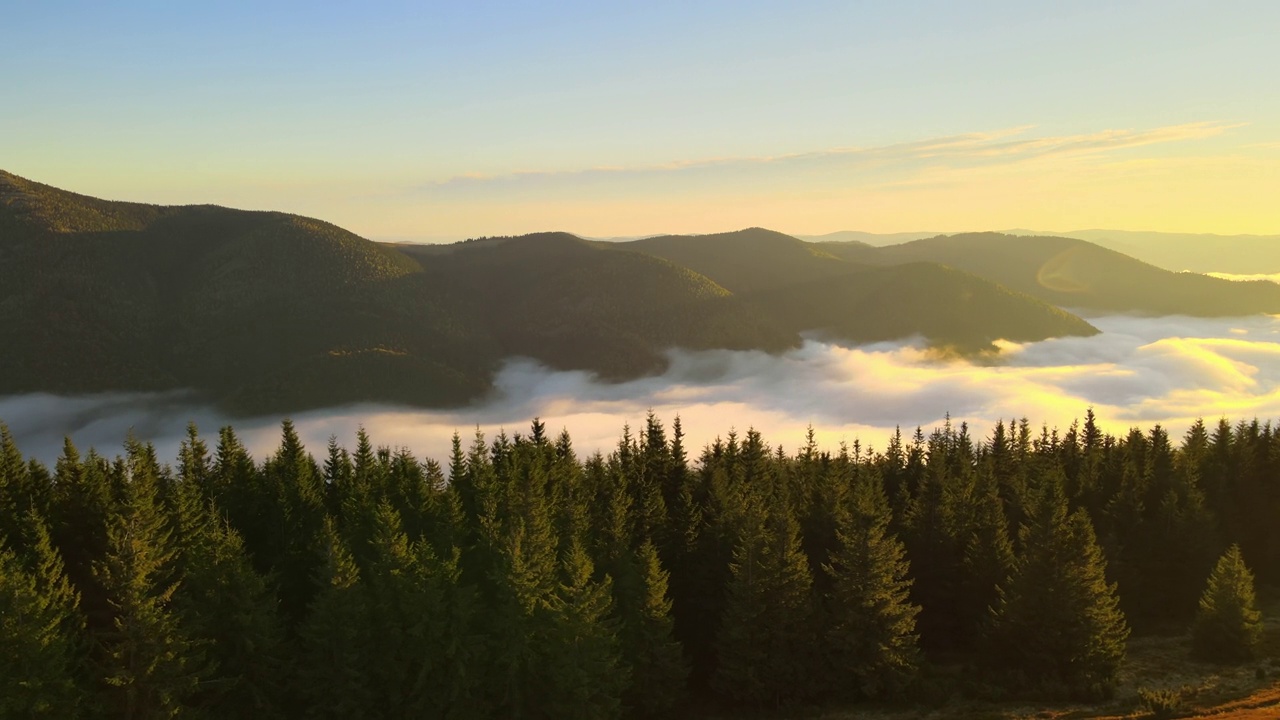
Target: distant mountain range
{"points": [[1077, 274], [1180, 252], [270, 312]]}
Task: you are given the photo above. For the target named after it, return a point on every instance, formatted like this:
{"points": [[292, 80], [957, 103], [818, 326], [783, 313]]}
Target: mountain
{"points": [[1180, 252], [803, 286], [747, 260], [105, 296], [1201, 253], [1075, 274], [271, 312], [867, 238], [558, 298]]}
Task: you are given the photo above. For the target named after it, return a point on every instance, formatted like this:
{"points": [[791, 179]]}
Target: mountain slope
{"points": [[802, 286], [747, 260], [273, 312], [950, 307], [270, 312], [1077, 274], [559, 299], [1202, 253]]}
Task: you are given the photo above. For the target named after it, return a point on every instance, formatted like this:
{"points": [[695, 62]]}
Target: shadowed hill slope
{"points": [[270, 312], [557, 298]]}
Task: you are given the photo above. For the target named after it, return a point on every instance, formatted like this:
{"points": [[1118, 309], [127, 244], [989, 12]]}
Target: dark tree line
{"points": [[523, 581]]}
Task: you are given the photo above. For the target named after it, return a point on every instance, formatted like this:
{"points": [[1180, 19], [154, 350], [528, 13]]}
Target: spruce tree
{"points": [[520, 585], [334, 675], [659, 672], [226, 606], [765, 645], [582, 675], [147, 665], [82, 504], [1228, 625], [871, 637], [24, 488], [40, 633], [1057, 628], [424, 661], [295, 515]]}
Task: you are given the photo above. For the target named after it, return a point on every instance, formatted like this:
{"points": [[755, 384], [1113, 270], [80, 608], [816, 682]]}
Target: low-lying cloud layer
{"points": [[1272, 277], [1139, 371]]}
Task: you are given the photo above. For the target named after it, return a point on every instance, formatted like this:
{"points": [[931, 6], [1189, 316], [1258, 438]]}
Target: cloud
{"points": [[1139, 371], [1273, 277], [1001, 147]]}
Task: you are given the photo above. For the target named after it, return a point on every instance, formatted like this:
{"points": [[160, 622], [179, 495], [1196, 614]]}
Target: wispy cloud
{"points": [[1001, 147]]}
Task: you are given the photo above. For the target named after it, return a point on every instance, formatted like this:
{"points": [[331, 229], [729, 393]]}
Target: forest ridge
{"points": [[519, 580], [264, 312]]}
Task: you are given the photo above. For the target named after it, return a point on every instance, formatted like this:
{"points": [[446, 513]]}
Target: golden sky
{"points": [[450, 120]]}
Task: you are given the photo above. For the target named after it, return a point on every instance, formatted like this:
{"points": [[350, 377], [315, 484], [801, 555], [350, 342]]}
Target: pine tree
{"points": [[1228, 625], [239, 494], [295, 515], [765, 644], [334, 675], [581, 673], [424, 662], [228, 608], [24, 488], [521, 582], [147, 665], [658, 668], [871, 638], [82, 504], [1057, 628], [40, 633]]}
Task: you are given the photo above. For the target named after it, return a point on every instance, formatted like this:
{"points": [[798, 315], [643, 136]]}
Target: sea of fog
{"points": [[1137, 372]]}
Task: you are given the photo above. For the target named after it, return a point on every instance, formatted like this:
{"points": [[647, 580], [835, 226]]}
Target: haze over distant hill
{"points": [[1202, 253], [1077, 274], [1179, 252], [867, 238], [266, 311]]}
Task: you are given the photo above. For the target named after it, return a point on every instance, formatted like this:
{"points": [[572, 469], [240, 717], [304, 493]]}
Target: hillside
{"points": [[867, 238], [560, 299], [805, 287], [1196, 252], [270, 312], [747, 260], [1076, 274]]}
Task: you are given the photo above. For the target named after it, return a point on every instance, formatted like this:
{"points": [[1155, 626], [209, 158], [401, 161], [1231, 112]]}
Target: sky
{"points": [[434, 121], [1138, 372]]}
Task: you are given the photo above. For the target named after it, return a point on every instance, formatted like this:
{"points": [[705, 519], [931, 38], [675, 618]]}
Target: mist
{"points": [[1137, 372]]}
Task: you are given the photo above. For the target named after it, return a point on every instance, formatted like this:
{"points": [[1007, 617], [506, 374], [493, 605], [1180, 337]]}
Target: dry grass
{"points": [[1249, 691]]}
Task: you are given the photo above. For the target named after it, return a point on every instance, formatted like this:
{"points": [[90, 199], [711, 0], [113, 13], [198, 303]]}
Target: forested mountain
{"points": [[1076, 274], [266, 311], [748, 260], [802, 285], [517, 579]]}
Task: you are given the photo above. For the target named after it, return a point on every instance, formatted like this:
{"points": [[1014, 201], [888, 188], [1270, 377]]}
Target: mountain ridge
{"points": [[1077, 274], [271, 312]]}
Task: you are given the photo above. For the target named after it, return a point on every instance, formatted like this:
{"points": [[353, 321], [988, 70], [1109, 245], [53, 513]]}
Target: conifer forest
{"points": [[519, 579]]}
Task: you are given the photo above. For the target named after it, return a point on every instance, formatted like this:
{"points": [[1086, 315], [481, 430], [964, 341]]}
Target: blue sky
{"points": [[428, 120]]}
